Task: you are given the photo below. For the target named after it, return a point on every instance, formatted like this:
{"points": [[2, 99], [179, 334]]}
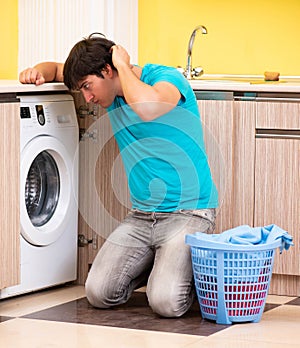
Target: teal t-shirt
{"points": [[164, 159]]}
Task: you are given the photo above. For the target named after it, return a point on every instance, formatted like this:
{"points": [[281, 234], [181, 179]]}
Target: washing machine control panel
{"points": [[40, 115], [34, 112], [47, 111]]}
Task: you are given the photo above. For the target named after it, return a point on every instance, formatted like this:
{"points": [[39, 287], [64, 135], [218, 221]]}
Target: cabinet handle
{"points": [[278, 133], [278, 99]]}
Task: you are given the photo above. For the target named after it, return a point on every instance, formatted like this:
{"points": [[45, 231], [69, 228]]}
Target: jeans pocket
{"points": [[209, 215]]}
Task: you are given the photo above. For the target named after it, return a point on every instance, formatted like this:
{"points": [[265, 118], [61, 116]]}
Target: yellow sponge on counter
{"points": [[271, 76]]}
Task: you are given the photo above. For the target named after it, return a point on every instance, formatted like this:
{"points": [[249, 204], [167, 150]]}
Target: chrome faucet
{"points": [[189, 72]]}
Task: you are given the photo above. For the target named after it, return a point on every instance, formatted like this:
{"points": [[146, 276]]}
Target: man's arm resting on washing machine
{"points": [[43, 72]]}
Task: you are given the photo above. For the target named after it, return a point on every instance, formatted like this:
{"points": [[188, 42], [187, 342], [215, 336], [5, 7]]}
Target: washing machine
{"points": [[48, 192]]}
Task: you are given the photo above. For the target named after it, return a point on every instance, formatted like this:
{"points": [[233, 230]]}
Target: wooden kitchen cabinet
{"points": [[229, 132], [257, 176], [259, 142], [103, 191], [218, 121], [277, 184], [98, 155], [10, 192]]}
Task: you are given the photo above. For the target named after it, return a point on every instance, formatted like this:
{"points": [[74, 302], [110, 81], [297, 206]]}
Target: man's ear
{"points": [[108, 71]]}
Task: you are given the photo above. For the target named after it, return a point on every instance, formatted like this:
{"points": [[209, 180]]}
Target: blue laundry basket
{"points": [[232, 281]]}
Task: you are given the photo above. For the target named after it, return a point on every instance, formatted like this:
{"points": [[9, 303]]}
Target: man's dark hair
{"points": [[88, 57]]}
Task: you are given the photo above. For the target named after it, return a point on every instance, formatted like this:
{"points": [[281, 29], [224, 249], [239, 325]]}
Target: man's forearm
{"points": [[51, 71]]}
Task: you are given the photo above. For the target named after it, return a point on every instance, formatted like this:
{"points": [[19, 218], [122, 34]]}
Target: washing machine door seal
{"points": [[45, 190]]}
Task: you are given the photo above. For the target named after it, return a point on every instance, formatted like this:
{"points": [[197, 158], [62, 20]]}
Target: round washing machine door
{"points": [[46, 189]]}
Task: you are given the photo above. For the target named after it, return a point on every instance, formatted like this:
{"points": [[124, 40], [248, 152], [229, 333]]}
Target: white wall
{"points": [[48, 29]]}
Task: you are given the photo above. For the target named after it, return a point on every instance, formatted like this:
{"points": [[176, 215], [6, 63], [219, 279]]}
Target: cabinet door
{"points": [[229, 131], [277, 192], [10, 192], [277, 178], [106, 187], [103, 191], [217, 121]]}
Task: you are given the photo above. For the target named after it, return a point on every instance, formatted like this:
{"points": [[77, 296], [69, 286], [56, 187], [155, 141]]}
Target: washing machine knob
{"points": [[40, 114], [41, 119]]}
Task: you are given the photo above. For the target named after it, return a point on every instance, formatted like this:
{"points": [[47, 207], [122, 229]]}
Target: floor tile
{"points": [[62, 317], [2, 318], [28, 333], [280, 325], [135, 314], [294, 302], [212, 342], [279, 299], [22, 305]]}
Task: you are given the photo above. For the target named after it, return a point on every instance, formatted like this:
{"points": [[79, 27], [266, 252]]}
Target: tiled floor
{"points": [[62, 318]]}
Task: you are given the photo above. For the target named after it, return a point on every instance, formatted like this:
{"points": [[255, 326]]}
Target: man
{"points": [[156, 122]]}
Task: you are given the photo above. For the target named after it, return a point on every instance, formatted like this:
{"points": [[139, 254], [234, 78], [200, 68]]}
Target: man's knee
{"points": [[167, 304], [103, 294], [95, 294]]}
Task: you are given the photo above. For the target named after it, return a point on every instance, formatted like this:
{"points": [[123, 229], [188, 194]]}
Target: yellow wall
{"points": [[244, 36], [9, 39]]}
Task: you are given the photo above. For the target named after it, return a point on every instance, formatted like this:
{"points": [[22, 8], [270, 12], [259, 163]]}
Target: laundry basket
{"points": [[231, 280]]}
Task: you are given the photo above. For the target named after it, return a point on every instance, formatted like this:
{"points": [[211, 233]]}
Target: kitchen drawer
{"points": [[278, 115]]}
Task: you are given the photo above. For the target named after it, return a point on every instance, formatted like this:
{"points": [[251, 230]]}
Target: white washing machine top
{"points": [[46, 115]]}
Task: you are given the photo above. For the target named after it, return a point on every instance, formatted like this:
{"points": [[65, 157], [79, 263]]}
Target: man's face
{"points": [[98, 90]]}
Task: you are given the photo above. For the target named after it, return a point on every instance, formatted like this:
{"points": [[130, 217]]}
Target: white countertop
{"points": [[206, 82], [286, 84], [14, 86]]}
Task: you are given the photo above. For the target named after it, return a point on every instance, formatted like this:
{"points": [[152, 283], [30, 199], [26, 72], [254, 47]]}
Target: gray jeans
{"points": [[149, 248]]}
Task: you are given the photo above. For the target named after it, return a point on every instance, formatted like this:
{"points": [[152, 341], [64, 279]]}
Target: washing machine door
{"points": [[46, 188]]}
